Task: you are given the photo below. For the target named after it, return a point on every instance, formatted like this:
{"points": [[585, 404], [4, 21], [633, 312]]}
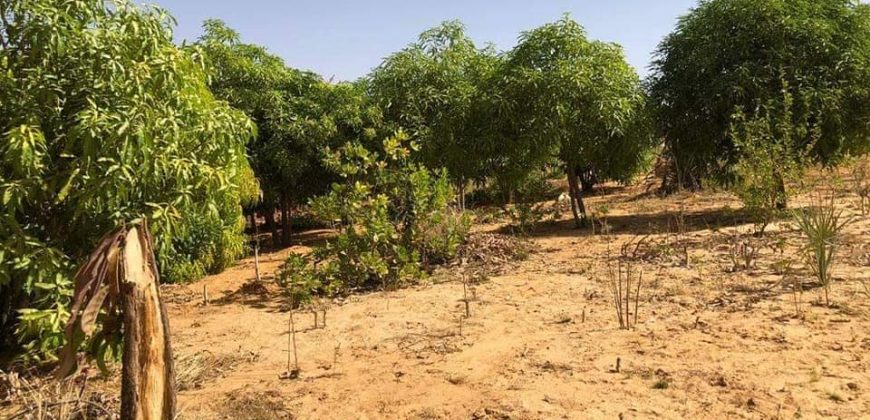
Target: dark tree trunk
{"points": [[461, 190], [587, 179], [272, 225], [10, 299], [781, 196], [148, 374], [253, 219], [286, 223], [577, 206]]}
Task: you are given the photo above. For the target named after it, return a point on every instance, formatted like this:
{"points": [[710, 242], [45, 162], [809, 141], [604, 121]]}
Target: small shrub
{"points": [[822, 225], [662, 383], [530, 206], [393, 218], [599, 218], [769, 161], [743, 251]]}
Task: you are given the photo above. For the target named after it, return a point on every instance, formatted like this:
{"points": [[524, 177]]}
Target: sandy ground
{"points": [[543, 341]]}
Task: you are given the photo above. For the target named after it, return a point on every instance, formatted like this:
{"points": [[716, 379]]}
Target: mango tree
{"points": [[297, 114], [105, 121], [430, 89], [578, 100], [734, 58]]}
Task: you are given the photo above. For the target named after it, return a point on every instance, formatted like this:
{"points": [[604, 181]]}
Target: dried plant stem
{"points": [[623, 284], [637, 296], [335, 357], [798, 291], [257, 260], [465, 296], [292, 343]]}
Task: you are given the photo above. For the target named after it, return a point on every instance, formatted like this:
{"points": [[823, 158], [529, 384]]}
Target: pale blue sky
{"points": [[346, 38]]}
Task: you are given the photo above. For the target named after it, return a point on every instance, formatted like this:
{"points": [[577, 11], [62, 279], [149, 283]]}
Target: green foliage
{"points": [[531, 197], [433, 89], [561, 94], [394, 219], [731, 55], [105, 121], [770, 161], [822, 225], [296, 112]]}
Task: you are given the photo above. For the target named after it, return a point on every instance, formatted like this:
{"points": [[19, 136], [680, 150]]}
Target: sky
{"points": [[345, 39]]}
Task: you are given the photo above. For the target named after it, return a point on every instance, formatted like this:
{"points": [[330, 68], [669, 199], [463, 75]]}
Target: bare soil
{"points": [[714, 339]]}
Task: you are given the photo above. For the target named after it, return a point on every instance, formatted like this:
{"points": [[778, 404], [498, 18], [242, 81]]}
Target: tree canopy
{"points": [[431, 89], [105, 121], [565, 96], [735, 56], [298, 117]]}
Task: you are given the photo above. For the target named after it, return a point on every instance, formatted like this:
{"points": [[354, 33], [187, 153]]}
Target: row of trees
{"points": [[481, 115], [105, 121], [557, 99], [298, 117]]}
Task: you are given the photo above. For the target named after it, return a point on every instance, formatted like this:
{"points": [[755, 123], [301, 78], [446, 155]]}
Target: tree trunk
{"points": [[256, 249], [577, 206], [286, 223], [587, 179], [148, 377], [461, 190], [781, 196], [272, 225], [253, 219]]}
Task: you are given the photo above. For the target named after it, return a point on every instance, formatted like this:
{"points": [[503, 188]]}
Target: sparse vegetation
{"points": [[625, 285], [861, 184], [451, 164], [821, 224], [661, 383], [743, 251]]}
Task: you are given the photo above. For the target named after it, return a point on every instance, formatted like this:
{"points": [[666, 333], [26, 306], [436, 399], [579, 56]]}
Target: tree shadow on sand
{"points": [[645, 223]]}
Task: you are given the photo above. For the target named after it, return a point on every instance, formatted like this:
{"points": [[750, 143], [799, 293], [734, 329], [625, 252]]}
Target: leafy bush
{"points": [[770, 160], [103, 121], [530, 207], [393, 216]]}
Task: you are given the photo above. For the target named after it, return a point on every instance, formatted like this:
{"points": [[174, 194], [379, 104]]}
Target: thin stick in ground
{"points": [[256, 248], [465, 296], [622, 284], [292, 370]]}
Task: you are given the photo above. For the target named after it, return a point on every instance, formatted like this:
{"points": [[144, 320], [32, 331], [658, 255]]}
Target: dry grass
{"points": [[37, 397], [255, 406], [192, 370]]}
